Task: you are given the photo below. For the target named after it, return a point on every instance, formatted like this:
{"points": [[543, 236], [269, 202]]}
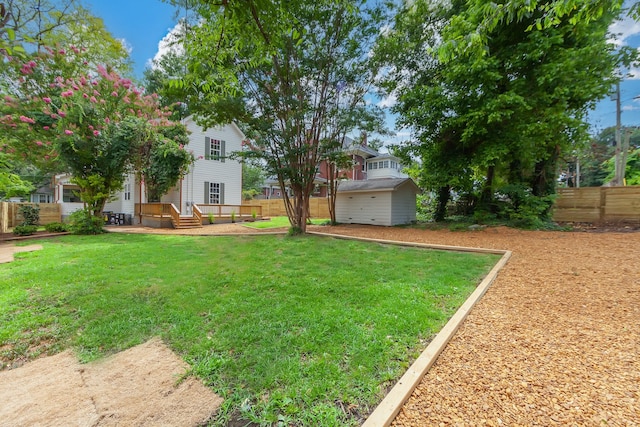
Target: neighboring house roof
{"points": [[382, 184]]}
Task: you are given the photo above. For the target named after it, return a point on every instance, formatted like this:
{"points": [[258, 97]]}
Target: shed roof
{"points": [[382, 184]]}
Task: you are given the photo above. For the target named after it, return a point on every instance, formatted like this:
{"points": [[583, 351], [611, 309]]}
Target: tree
{"points": [[293, 73], [93, 124], [252, 180], [496, 121]]}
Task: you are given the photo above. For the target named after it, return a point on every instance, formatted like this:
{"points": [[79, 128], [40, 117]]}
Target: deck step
{"points": [[187, 222]]}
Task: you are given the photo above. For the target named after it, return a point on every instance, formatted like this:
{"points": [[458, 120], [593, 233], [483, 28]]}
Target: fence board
{"points": [[49, 212], [318, 207], [598, 204]]}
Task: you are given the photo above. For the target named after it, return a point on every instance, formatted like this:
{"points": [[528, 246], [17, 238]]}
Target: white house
{"points": [[212, 179]]}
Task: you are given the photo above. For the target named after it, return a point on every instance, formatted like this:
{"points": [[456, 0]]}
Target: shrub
{"points": [[56, 227], [211, 218], [82, 222], [30, 214], [25, 230], [233, 216]]}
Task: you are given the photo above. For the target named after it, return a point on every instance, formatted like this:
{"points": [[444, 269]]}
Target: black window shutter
{"points": [[206, 193], [207, 147], [223, 152], [222, 193]]}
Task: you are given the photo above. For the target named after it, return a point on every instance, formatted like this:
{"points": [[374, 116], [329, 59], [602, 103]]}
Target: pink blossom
{"points": [[39, 143], [47, 100], [107, 120], [114, 93], [45, 127], [66, 94], [8, 98], [75, 87], [26, 119], [181, 146], [96, 133], [200, 157], [68, 132], [46, 157], [62, 52], [55, 116], [62, 114]]}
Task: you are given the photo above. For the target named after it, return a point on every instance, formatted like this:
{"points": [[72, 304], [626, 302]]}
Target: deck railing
{"points": [[169, 210], [154, 209], [227, 211]]}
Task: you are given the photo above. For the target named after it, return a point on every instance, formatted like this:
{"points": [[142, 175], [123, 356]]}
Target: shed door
{"points": [[364, 208]]}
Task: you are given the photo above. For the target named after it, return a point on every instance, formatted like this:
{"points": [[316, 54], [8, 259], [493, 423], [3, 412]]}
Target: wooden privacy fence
{"points": [[598, 204], [318, 207], [10, 215]]}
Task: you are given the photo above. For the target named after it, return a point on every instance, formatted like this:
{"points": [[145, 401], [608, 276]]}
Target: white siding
{"points": [[120, 205], [227, 171], [364, 208], [403, 205]]}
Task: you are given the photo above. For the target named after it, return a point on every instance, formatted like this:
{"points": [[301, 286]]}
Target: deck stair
{"points": [[186, 222]]}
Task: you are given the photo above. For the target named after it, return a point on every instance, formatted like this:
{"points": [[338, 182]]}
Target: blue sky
{"points": [[143, 23]]}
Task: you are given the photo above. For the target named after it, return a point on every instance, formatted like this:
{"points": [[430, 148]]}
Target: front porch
{"points": [[166, 215]]}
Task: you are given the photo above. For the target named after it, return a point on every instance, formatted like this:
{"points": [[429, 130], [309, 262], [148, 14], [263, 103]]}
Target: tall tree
{"points": [[504, 115], [294, 73]]}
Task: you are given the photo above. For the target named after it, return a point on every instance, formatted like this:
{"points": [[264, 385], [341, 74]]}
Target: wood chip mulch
{"points": [[555, 341]]}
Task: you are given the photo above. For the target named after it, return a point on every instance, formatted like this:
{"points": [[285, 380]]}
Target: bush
{"points": [[56, 227], [30, 214], [25, 230], [82, 222]]}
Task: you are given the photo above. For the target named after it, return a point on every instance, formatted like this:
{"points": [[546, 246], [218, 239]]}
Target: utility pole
{"points": [[619, 168]]}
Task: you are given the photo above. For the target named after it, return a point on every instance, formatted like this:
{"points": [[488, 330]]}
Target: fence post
{"points": [[4, 217], [603, 202]]}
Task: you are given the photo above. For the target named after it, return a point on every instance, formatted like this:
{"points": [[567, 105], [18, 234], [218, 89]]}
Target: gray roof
{"points": [[382, 184]]}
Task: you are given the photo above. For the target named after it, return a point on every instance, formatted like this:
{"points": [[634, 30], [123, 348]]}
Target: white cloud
{"points": [[624, 29], [389, 101], [126, 45], [172, 42]]}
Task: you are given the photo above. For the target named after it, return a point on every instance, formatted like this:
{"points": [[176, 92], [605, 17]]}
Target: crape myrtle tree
{"points": [[291, 73], [94, 126], [29, 26], [496, 120]]}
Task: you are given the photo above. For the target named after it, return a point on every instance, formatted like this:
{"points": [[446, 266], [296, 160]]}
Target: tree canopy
{"points": [[294, 74], [493, 123]]}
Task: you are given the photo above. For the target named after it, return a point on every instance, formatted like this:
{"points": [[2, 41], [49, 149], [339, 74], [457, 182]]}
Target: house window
{"points": [[386, 164], [127, 191], [214, 193], [43, 198], [69, 195], [375, 165], [380, 164], [214, 149]]}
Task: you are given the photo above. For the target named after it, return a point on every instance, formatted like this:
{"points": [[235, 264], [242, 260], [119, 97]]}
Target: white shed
{"points": [[386, 201]]}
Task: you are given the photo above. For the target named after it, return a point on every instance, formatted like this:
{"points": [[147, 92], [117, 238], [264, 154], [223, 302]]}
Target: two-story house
{"points": [[213, 178]]}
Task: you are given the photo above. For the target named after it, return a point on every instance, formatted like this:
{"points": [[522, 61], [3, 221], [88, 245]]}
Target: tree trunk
{"points": [[486, 197], [444, 193]]}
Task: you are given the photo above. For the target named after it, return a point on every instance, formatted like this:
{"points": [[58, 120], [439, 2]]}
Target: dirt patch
{"points": [[141, 386], [553, 342]]}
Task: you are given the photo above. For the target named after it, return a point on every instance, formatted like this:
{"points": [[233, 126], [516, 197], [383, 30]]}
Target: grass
{"points": [[292, 331], [279, 222]]}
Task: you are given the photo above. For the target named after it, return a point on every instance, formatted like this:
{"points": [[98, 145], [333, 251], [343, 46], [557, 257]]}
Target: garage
{"points": [[387, 201]]}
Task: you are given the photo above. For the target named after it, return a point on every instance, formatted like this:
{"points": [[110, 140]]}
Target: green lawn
{"points": [[278, 222], [303, 330]]}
